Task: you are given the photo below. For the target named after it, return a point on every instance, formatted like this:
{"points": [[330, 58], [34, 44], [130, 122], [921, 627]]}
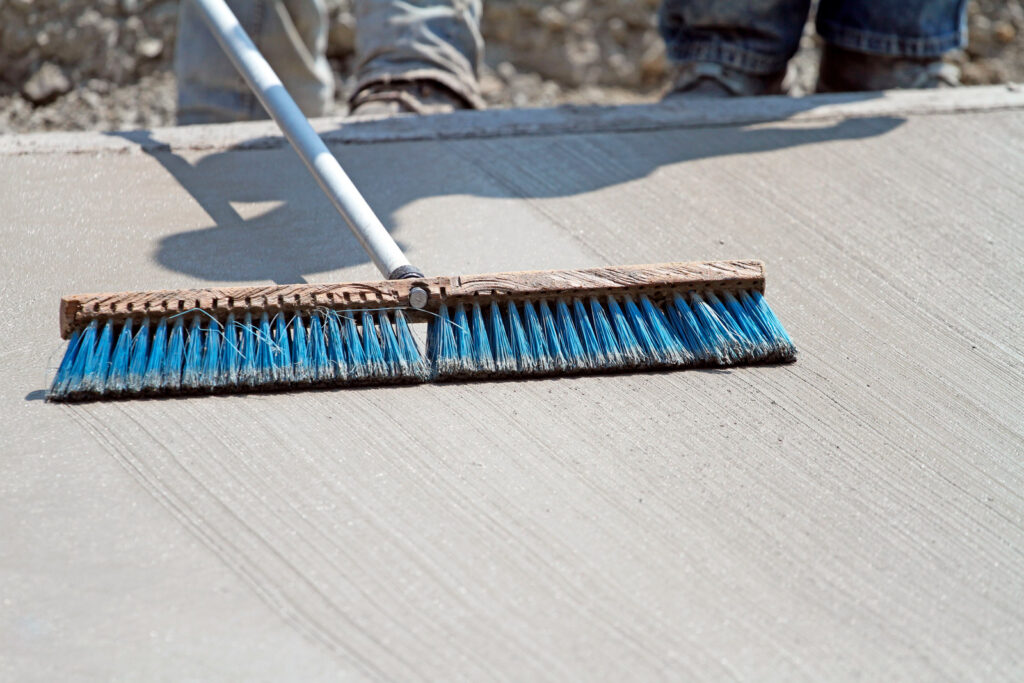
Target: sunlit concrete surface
{"points": [[855, 515]]}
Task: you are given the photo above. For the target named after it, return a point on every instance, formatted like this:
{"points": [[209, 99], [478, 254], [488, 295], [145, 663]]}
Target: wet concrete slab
{"points": [[857, 514]]}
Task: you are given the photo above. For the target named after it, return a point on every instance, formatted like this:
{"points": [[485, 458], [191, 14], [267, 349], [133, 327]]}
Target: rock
{"points": [[1004, 32], [150, 48], [46, 84]]}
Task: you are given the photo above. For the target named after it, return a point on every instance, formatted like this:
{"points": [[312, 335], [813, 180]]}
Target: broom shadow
{"points": [[283, 242], [299, 233]]}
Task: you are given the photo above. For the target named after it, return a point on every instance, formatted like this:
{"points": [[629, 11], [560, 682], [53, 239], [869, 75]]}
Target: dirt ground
{"points": [[105, 64]]}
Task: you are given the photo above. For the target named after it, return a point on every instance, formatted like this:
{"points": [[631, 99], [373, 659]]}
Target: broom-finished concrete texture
{"points": [[856, 515]]}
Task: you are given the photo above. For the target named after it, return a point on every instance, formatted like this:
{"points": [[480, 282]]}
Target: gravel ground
{"points": [[105, 64]]}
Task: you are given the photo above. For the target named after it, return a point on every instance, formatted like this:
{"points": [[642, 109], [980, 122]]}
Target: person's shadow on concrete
{"points": [[286, 240]]}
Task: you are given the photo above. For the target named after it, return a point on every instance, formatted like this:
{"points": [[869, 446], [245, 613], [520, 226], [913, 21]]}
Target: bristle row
{"points": [[576, 335], [192, 353]]}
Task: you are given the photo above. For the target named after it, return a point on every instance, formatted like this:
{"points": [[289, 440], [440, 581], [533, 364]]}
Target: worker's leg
{"points": [[872, 45], [740, 47], [291, 34], [412, 50]]}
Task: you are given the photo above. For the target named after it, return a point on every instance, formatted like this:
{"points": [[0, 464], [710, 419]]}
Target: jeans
{"points": [[760, 36], [440, 40], [396, 40]]}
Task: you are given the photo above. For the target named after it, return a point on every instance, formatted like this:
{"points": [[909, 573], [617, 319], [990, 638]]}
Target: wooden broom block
{"points": [[78, 310]]}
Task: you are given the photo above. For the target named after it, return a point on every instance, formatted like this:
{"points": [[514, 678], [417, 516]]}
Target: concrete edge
{"points": [[553, 121]]}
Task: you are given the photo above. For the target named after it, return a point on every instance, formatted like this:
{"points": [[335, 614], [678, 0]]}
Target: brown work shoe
{"points": [[408, 97], [846, 71], [707, 79]]}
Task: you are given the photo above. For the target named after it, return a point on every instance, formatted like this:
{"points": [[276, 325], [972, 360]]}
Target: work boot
{"points": [[408, 97], [707, 79], [845, 71]]}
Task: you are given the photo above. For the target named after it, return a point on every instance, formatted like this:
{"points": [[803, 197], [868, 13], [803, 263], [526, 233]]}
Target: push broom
{"points": [[517, 324]]}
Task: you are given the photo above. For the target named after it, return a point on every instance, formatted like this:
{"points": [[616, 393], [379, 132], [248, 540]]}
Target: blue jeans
{"points": [[396, 40], [440, 40], [760, 36]]}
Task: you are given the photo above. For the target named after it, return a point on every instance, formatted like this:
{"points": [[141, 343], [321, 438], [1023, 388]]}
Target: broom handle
{"points": [[333, 180]]}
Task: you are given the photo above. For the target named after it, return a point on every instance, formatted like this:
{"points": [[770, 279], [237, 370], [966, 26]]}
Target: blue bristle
{"points": [[669, 345], [521, 350], [98, 365], [356, 356], [374, 354], [572, 347], [629, 347], [747, 347], [301, 365], [591, 347], [170, 372], [644, 336], [535, 336], [501, 348], [758, 309], [117, 379], [192, 373], [336, 345], [463, 332], [231, 352], [482, 357], [153, 379], [749, 326], [408, 348], [441, 346], [140, 357], [282, 352], [77, 378], [687, 327], [60, 382], [784, 342], [550, 326], [723, 345], [389, 346], [320, 366], [210, 372], [266, 373], [606, 339], [247, 375]]}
